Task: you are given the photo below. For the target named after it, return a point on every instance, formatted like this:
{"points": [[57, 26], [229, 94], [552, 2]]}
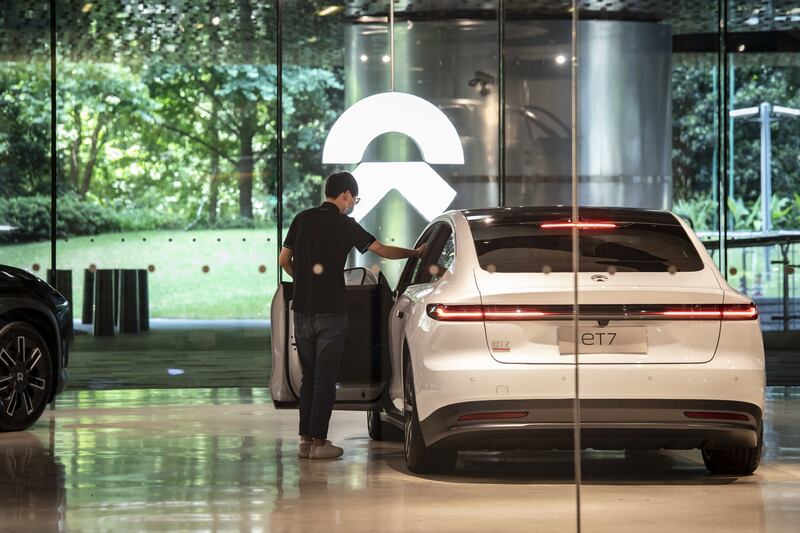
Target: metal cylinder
{"points": [[144, 300], [87, 310], [624, 113], [103, 320], [128, 303], [435, 62], [624, 122]]}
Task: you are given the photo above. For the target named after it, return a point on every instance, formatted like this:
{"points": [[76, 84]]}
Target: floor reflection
{"points": [[224, 459], [31, 484]]}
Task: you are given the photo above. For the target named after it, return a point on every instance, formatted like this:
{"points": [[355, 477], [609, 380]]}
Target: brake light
{"points": [[491, 416], [455, 312], [579, 225], [711, 415], [511, 313], [715, 312], [739, 312], [467, 313]]}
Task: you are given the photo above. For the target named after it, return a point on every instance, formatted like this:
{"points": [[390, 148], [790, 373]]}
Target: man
{"points": [[314, 254]]}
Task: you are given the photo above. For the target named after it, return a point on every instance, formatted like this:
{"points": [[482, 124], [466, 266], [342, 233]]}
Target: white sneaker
{"points": [[325, 451]]}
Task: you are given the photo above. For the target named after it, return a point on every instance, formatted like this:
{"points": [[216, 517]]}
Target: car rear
{"points": [[670, 356]]}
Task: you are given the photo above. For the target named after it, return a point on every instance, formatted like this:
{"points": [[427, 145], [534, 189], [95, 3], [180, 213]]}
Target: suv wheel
{"points": [[421, 459], [734, 461], [26, 376]]}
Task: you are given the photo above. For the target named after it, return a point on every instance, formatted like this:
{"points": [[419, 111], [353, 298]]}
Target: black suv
{"points": [[33, 347]]}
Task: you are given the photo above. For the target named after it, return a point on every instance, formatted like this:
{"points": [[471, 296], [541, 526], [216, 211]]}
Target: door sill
{"points": [[394, 418]]}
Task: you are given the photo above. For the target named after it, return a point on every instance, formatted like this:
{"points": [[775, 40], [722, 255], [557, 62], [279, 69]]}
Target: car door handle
{"points": [[401, 314]]}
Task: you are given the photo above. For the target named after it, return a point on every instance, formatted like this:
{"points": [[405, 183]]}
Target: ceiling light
{"points": [[561, 59]]}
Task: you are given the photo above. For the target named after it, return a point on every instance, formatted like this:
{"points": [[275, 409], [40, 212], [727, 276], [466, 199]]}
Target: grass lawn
{"points": [[232, 288]]}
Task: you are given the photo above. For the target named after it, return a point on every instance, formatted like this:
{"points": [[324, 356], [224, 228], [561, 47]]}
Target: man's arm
{"points": [[286, 260], [395, 252]]}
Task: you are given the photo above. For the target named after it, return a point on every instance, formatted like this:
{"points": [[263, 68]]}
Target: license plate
{"points": [[603, 340]]}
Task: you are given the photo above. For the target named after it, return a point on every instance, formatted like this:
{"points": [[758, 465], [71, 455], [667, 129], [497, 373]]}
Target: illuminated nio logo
{"points": [[421, 121], [600, 278]]}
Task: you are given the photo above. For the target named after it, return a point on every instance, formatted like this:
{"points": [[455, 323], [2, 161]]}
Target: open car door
{"points": [[365, 369]]}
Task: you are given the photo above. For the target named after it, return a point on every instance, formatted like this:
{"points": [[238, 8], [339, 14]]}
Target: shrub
{"points": [[233, 223], [143, 219], [78, 217], [29, 215]]}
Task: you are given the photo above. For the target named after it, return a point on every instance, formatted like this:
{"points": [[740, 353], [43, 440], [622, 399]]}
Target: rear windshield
{"points": [[631, 247]]}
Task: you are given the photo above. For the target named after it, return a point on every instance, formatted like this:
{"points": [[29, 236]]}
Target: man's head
{"points": [[341, 188]]}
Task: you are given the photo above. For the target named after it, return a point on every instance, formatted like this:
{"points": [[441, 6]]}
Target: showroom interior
{"points": [[153, 154]]}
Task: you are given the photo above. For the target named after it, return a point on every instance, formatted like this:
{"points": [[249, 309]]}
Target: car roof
{"points": [[563, 212]]}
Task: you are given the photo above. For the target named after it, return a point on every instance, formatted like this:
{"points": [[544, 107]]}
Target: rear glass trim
{"points": [[524, 246], [511, 215]]}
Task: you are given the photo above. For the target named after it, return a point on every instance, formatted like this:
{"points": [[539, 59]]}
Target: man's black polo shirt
{"points": [[320, 239]]}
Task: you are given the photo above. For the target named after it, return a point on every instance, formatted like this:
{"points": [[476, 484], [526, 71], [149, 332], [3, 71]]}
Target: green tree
{"points": [[98, 104], [24, 129]]}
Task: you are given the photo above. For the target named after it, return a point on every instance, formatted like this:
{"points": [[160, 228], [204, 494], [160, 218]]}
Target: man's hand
{"points": [[419, 251], [395, 252]]}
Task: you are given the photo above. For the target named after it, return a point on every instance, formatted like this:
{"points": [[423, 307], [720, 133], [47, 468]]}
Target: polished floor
{"points": [[224, 460]]}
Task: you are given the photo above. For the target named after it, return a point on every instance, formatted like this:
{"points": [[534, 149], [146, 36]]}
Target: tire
{"points": [[734, 461], [380, 430], [26, 376], [421, 459]]}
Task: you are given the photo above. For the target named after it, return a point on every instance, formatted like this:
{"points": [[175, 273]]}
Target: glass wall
{"points": [[189, 135], [178, 172], [167, 190], [712, 142], [25, 136], [313, 97]]}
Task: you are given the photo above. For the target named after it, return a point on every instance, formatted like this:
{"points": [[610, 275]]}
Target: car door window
{"points": [[445, 259], [424, 273], [412, 264]]}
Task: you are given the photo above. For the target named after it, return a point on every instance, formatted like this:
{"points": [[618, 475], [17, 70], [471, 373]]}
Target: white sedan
{"points": [[475, 349]]}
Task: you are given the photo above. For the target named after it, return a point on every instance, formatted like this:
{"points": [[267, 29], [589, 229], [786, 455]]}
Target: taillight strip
{"points": [[691, 314], [512, 314], [579, 225], [477, 312]]}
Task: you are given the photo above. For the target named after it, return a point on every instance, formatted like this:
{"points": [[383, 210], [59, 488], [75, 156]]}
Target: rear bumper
{"points": [[605, 425]]}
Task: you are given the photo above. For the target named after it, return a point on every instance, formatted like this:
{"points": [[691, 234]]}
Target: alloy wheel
{"points": [[24, 370]]}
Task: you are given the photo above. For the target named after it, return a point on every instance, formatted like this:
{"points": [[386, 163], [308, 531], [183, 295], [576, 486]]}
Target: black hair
{"points": [[340, 182]]}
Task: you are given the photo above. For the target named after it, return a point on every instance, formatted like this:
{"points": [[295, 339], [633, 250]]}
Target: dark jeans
{"points": [[320, 343]]}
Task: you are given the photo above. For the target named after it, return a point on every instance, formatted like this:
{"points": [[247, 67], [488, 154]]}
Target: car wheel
{"points": [[26, 376], [380, 430], [734, 461], [421, 459]]}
